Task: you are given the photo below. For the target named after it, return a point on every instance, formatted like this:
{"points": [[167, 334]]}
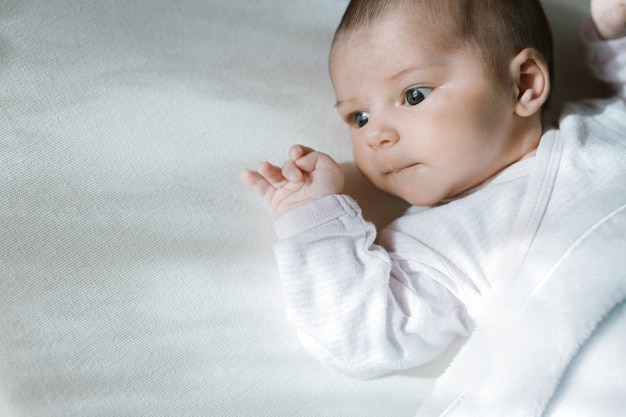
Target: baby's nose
{"points": [[383, 137]]}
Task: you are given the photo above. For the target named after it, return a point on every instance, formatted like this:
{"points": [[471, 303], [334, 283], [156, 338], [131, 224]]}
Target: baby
{"points": [[444, 101]]}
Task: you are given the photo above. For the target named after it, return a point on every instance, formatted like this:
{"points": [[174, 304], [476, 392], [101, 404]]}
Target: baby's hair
{"points": [[499, 29]]}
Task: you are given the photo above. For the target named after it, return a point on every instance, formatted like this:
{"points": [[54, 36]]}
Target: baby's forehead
{"points": [[396, 28]]}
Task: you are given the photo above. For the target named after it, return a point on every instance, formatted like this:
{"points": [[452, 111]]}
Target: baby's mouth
{"points": [[402, 168]]}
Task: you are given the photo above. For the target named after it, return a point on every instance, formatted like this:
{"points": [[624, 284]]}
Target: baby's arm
{"points": [[357, 307], [609, 18], [343, 293], [307, 176]]}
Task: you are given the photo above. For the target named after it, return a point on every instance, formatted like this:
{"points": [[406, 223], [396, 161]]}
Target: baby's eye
{"points": [[360, 119], [416, 95]]}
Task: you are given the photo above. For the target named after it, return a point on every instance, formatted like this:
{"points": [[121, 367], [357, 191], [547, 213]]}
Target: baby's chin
{"points": [[414, 198], [423, 201], [405, 189]]}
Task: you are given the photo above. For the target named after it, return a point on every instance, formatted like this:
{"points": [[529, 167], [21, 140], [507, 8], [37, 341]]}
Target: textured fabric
{"points": [[136, 273]]}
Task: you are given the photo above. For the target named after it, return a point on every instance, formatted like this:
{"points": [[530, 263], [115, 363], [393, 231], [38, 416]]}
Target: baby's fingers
{"points": [[298, 151], [291, 172], [265, 181], [273, 174], [257, 182]]}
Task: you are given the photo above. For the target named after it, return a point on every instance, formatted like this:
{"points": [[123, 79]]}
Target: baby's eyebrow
{"points": [[344, 102], [341, 103], [411, 69], [408, 70]]}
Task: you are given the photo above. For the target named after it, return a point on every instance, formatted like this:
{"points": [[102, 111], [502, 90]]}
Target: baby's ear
{"points": [[532, 77]]}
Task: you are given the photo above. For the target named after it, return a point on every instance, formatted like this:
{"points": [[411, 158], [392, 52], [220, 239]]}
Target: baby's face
{"points": [[425, 124]]}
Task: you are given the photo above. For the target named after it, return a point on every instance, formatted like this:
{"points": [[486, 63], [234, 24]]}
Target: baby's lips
{"points": [[401, 167]]}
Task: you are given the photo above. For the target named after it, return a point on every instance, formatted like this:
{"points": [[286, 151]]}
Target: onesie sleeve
{"points": [[347, 296], [605, 58]]}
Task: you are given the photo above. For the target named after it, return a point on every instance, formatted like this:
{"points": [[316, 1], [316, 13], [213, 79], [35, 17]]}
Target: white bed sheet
{"points": [[136, 272]]}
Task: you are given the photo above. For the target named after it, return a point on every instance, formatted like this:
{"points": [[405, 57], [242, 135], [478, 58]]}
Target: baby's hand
{"points": [[307, 176], [609, 16]]}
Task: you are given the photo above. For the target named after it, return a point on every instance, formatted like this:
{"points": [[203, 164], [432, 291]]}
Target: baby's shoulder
{"points": [[596, 114]]}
